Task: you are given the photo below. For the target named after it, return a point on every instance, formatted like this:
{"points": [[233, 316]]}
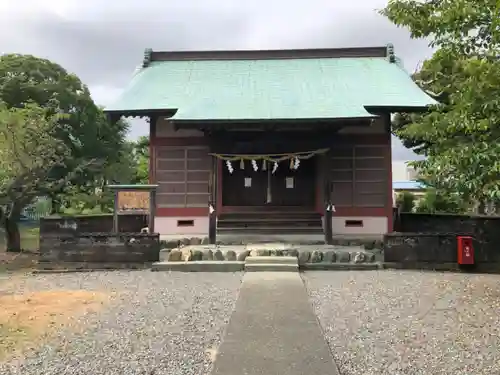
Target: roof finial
{"points": [[390, 53], [148, 52]]}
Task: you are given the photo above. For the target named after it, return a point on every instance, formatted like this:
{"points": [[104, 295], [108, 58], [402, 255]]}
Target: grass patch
{"points": [[25, 320], [29, 237]]}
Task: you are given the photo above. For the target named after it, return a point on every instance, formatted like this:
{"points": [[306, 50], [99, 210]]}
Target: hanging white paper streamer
{"points": [[255, 166], [242, 164], [330, 207], [296, 164], [275, 167], [211, 209], [229, 166]]}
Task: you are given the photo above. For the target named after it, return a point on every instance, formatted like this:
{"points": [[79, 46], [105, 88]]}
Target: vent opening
{"points": [[185, 223], [354, 223]]}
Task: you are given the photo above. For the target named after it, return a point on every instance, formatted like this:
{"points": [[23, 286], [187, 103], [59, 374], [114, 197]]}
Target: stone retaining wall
{"points": [[439, 251], [486, 227], [183, 242], [98, 250], [306, 254], [91, 223]]}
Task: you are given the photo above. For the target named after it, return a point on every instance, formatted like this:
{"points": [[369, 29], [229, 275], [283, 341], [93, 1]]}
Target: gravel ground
{"points": [[389, 322], [156, 323]]}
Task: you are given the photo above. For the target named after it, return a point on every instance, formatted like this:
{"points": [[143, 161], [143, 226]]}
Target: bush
{"points": [[433, 202], [406, 201]]}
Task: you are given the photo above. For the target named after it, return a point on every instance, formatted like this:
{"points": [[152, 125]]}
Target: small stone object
{"points": [[316, 256], [260, 253], [208, 255], [175, 256], [359, 257], [304, 257], [195, 241], [197, 255], [186, 255], [329, 257], [243, 255], [218, 255], [230, 255], [185, 242], [343, 257], [276, 253], [204, 241]]}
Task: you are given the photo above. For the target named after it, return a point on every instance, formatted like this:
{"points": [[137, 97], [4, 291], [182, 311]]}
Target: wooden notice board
{"points": [[133, 202]]}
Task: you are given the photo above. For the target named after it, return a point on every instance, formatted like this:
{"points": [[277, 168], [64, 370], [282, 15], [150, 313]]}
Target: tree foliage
{"points": [[89, 138], [406, 201], [469, 27], [29, 152], [460, 137], [132, 168], [141, 160], [433, 202]]}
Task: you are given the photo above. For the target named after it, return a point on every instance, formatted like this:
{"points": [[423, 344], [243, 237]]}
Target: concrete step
{"points": [[271, 260], [271, 267], [270, 230]]}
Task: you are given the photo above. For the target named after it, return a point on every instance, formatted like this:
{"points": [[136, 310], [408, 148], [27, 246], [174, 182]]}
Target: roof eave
{"points": [[117, 113], [398, 108]]}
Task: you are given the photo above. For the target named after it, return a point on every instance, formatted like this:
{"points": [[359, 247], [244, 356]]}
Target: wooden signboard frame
{"points": [[134, 199]]}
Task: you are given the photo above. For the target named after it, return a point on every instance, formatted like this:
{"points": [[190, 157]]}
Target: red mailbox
{"points": [[465, 250]]}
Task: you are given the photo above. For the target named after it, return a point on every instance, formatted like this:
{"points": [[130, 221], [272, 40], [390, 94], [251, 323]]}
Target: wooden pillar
{"points": [[212, 203], [115, 213], [152, 210], [152, 151], [328, 206]]}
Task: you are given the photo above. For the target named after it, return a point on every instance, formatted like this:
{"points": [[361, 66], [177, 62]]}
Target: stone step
{"points": [[271, 267], [271, 260], [263, 229], [200, 266]]}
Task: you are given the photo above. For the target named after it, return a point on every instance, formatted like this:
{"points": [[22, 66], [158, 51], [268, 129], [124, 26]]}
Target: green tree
{"points": [[469, 27], [132, 167], [29, 152], [433, 202], [141, 159], [460, 137], [90, 139], [406, 201]]}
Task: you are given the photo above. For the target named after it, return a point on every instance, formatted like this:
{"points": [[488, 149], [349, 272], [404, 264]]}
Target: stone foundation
{"points": [[98, 250], [309, 256]]}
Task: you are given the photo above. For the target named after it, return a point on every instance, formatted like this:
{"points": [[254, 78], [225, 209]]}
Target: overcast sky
{"points": [[103, 41]]}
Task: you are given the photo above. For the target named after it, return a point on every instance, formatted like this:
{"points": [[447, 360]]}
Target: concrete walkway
{"points": [[273, 331]]}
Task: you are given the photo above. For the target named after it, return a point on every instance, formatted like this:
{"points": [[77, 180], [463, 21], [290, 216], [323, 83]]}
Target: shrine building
{"points": [[271, 142]]}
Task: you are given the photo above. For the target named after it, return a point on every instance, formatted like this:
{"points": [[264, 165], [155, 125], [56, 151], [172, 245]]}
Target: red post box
{"points": [[465, 250]]}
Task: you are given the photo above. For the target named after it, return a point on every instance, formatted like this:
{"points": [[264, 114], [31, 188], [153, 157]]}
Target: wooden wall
{"points": [[359, 174], [182, 173]]}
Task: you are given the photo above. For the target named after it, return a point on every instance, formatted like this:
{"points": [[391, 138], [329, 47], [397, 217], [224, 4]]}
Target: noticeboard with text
{"points": [[133, 202]]}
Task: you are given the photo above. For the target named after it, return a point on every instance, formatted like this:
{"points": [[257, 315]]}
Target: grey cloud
{"points": [[103, 42]]}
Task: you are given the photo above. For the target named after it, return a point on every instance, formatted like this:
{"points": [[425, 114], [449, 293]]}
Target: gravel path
{"points": [[409, 322], [156, 323]]}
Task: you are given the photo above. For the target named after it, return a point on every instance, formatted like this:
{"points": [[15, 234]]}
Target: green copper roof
{"points": [[310, 88]]}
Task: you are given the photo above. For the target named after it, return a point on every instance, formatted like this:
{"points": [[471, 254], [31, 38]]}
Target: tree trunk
{"points": [[54, 205], [12, 234]]}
